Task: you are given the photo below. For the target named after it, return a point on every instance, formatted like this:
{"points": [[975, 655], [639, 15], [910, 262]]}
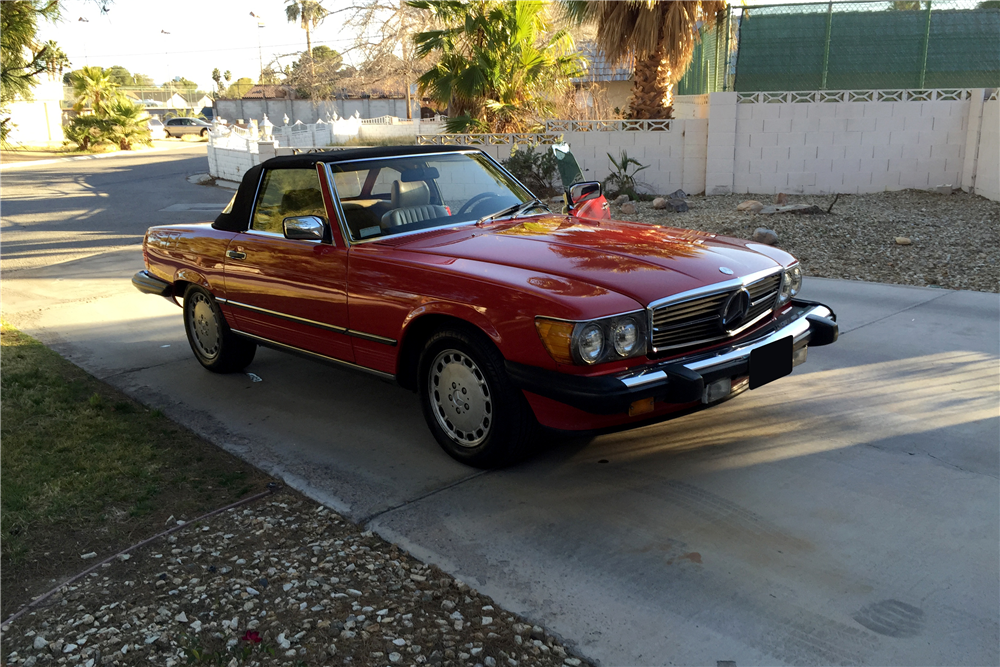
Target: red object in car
{"points": [[434, 267]]}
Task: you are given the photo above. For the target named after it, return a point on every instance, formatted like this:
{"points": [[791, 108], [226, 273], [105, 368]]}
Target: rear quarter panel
{"points": [[188, 253]]}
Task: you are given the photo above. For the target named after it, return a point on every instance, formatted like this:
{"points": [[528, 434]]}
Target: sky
{"points": [[202, 36]]}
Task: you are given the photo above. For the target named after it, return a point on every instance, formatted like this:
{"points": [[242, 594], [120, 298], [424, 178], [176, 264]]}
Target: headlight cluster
{"points": [[791, 284], [593, 342]]}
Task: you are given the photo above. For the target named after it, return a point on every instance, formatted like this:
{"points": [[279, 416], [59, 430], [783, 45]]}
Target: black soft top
{"points": [[238, 218]]}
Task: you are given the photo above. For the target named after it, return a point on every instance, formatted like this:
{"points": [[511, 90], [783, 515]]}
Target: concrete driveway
{"points": [[847, 514]]}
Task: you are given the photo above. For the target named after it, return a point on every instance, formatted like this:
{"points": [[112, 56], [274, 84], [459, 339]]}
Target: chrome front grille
{"points": [[682, 322]]}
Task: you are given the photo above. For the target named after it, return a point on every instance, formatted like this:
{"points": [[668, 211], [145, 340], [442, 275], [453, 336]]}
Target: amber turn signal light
{"points": [[557, 337], [640, 407]]}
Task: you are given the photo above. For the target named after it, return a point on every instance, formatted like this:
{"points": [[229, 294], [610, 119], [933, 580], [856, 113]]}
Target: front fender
{"points": [[458, 311]]}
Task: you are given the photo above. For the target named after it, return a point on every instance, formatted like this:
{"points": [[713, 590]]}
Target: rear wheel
{"points": [[215, 346], [475, 413]]}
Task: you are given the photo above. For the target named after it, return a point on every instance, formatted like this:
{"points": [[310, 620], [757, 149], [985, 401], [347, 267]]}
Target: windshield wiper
{"points": [[515, 210]]}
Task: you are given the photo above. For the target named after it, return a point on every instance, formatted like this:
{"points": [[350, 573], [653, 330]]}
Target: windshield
{"points": [[393, 195]]}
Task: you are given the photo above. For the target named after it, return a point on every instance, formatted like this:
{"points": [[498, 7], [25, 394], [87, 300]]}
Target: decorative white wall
{"points": [[795, 142]]}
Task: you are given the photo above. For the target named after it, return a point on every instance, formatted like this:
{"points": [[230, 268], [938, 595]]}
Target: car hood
{"points": [[642, 261]]}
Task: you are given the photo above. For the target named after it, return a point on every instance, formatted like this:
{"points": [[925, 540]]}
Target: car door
{"points": [[292, 292]]}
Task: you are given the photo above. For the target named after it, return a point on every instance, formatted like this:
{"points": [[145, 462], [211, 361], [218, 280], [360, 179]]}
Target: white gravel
{"points": [[275, 582], [954, 239]]}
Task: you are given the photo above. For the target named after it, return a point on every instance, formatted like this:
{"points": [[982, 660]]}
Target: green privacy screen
{"points": [[856, 46]]}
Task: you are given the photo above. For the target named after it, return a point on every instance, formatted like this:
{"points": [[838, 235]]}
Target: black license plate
{"points": [[770, 362]]}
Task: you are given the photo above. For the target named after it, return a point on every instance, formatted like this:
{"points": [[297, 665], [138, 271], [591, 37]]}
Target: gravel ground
{"points": [[955, 239], [278, 581]]}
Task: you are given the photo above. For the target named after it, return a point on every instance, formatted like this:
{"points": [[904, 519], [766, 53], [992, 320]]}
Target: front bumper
{"points": [[680, 380]]}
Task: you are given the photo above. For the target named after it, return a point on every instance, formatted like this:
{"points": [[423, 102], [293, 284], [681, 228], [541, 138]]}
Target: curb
{"points": [[35, 163]]}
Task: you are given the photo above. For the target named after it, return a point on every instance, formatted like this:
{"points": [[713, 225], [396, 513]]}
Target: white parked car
{"points": [[155, 127]]}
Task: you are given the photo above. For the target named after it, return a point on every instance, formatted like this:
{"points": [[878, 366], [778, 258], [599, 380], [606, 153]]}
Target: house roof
{"points": [[600, 69], [270, 92]]}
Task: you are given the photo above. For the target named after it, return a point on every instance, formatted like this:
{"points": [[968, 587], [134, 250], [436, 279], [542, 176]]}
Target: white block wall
{"points": [[849, 147], [988, 163], [230, 164]]}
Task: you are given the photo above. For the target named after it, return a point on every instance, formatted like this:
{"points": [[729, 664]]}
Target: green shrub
{"points": [[621, 180], [536, 169], [87, 131]]}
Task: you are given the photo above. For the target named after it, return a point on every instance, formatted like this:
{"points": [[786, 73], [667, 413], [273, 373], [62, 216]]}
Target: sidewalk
{"points": [[33, 157]]}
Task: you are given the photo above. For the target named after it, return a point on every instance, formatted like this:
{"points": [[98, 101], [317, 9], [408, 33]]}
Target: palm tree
{"points": [[495, 70], [310, 13], [93, 88], [126, 123], [659, 34]]}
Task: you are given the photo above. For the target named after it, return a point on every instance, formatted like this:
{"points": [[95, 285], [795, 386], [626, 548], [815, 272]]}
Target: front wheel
{"points": [[474, 411], [215, 346]]}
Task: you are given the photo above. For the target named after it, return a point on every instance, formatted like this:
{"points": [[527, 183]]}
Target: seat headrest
{"points": [[405, 195]]}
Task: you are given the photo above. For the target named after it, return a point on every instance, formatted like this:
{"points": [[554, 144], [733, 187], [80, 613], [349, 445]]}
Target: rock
{"points": [[181, 618], [572, 662], [621, 199], [69, 648], [123, 557], [677, 205], [628, 208], [678, 194], [88, 556], [768, 210], [659, 203], [87, 620], [39, 643], [943, 189], [781, 199], [169, 520], [283, 641], [487, 620], [395, 657], [751, 205], [765, 236], [196, 626], [902, 240], [537, 632], [203, 178]]}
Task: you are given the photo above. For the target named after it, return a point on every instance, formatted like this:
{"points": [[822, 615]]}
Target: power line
{"points": [[234, 48]]}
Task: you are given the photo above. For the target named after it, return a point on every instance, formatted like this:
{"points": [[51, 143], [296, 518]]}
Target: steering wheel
{"points": [[475, 201]]}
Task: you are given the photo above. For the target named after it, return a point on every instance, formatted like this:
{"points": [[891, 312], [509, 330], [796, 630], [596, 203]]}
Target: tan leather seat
{"points": [[411, 203]]}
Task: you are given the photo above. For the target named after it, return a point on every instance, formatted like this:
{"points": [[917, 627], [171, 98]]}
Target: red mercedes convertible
{"points": [[432, 266]]}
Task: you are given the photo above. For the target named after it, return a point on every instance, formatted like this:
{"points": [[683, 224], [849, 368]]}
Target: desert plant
{"points": [[127, 123], [87, 131], [535, 169], [621, 180]]}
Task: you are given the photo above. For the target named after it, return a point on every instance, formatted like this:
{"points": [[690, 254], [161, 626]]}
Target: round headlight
{"points": [[590, 343], [795, 275], [626, 337]]}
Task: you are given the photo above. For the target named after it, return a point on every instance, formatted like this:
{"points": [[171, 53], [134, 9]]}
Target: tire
{"points": [[204, 132], [166, 135], [489, 424], [214, 345]]}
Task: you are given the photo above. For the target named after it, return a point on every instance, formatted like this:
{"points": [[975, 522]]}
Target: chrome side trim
{"points": [[714, 288], [316, 355], [312, 323]]}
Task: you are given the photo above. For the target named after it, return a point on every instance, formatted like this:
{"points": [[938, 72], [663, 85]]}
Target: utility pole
{"points": [[260, 53]]}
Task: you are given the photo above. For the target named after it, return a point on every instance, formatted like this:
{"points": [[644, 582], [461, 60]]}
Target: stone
{"points": [[944, 189], [768, 210], [283, 641], [659, 203], [781, 199], [678, 194], [181, 618], [621, 199], [751, 205], [677, 205], [88, 556], [628, 208], [902, 240], [69, 648], [487, 620], [395, 657], [765, 236], [39, 643]]}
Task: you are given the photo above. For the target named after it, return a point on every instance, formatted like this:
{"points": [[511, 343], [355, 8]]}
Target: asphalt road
{"points": [[847, 514]]}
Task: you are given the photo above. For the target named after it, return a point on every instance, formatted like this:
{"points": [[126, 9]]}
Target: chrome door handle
{"points": [[235, 254]]}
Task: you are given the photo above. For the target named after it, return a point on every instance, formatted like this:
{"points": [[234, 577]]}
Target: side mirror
{"points": [[583, 192], [304, 228]]}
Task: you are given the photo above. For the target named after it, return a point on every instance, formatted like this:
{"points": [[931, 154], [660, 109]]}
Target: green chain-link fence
{"points": [[868, 45], [709, 67]]}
